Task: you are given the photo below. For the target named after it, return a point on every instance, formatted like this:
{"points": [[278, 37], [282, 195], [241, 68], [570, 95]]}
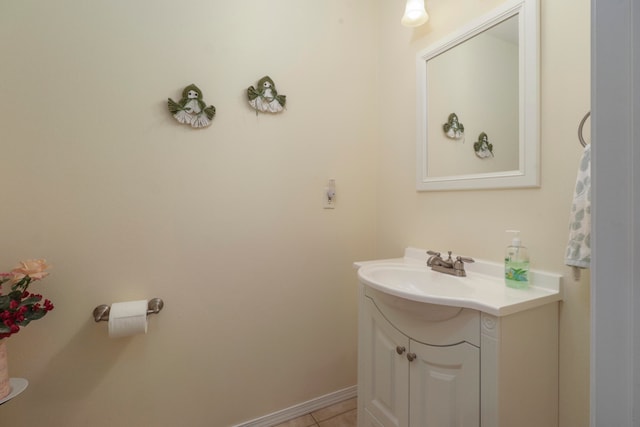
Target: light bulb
{"points": [[414, 14]]}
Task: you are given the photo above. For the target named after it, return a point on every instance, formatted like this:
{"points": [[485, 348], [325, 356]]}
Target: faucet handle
{"points": [[434, 256], [458, 265]]}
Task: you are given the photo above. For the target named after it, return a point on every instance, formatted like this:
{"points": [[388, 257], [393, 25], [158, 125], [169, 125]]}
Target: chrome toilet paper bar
{"points": [[101, 312]]}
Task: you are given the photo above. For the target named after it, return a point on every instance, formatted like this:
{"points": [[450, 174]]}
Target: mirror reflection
{"points": [[474, 87]]}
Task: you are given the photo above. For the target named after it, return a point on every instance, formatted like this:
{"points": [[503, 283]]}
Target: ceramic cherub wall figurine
{"points": [[264, 97], [191, 109]]}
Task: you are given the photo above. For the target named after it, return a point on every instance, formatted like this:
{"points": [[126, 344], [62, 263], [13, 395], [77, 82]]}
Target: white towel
{"points": [[579, 247]]}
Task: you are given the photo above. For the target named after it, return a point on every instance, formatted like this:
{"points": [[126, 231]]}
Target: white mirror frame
{"points": [[528, 173]]}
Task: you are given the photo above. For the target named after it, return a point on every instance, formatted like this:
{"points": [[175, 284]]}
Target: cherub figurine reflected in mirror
{"points": [[483, 147], [453, 128]]}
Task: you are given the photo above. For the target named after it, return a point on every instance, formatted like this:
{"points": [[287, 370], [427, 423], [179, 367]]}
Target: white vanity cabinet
{"points": [[418, 368], [428, 365]]}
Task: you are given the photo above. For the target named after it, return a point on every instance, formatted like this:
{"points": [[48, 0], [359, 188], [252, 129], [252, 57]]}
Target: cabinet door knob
{"points": [[400, 349], [411, 356]]}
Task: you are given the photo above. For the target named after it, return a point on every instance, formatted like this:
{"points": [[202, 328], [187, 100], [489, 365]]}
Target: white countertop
{"points": [[483, 289]]}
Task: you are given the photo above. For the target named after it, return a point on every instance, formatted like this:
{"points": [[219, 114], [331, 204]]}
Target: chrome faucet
{"points": [[449, 265]]}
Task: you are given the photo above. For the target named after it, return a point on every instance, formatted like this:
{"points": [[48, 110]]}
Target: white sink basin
{"points": [[413, 282], [483, 288]]}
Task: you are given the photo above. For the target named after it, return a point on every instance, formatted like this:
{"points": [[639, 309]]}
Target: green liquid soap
{"points": [[516, 263], [516, 273]]}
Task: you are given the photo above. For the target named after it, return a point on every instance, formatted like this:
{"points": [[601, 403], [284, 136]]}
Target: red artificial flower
{"points": [[19, 307]]}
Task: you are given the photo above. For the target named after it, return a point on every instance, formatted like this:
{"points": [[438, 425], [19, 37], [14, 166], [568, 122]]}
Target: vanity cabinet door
{"points": [[444, 385], [384, 383]]}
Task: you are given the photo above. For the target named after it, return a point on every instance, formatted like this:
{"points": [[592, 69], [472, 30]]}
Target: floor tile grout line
{"points": [[316, 422], [330, 418]]}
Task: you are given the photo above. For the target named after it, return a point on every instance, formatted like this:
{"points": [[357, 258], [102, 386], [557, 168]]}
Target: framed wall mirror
{"points": [[478, 104]]}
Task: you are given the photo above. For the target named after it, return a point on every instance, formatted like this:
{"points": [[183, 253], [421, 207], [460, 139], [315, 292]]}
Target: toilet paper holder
{"points": [[101, 312]]}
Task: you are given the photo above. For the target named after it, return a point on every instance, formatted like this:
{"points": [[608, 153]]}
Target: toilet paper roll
{"points": [[128, 318]]}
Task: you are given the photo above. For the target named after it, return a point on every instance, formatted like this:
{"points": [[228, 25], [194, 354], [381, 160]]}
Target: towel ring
{"points": [[580, 137]]}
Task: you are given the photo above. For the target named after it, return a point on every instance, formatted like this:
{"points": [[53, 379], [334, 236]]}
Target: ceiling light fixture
{"points": [[414, 14]]}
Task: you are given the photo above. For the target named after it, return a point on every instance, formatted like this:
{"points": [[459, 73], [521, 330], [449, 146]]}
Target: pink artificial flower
{"points": [[34, 268]]}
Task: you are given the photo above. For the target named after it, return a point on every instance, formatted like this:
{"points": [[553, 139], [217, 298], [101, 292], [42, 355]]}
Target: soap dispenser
{"points": [[516, 263]]}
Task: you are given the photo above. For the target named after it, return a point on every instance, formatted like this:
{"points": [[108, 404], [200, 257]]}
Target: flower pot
{"points": [[5, 387]]}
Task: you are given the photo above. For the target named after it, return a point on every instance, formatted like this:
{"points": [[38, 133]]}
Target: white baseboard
{"points": [[302, 408]]}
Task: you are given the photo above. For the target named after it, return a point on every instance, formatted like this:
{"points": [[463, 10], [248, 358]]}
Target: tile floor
{"points": [[341, 414]]}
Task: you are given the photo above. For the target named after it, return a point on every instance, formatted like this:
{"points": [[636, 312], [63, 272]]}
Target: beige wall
{"points": [[473, 222], [225, 224]]}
